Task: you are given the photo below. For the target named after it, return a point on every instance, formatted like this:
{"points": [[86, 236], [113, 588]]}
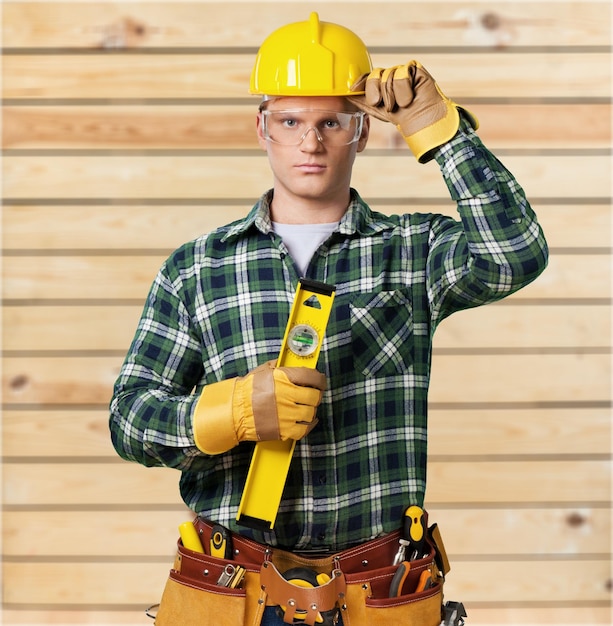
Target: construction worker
{"points": [[199, 386]]}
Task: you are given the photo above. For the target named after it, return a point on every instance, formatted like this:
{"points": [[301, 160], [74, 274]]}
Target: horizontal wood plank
{"points": [[590, 616], [85, 583], [62, 381], [499, 326], [525, 482], [216, 176], [99, 534], [134, 583], [495, 328], [134, 535], [63, 434], [182, 76], [454, 433], [577, 614], [474, 378], [574, 614], [27, 614], [120, 227], [573, 581], [460, 482], [82, 278], [502, 126], [87, 484], [495, 24], [544, 531], [513, 378], [134, 227], [128, 130]]}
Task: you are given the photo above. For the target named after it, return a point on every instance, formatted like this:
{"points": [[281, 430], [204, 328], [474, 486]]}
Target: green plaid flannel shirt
{"points": [[219, 307]]}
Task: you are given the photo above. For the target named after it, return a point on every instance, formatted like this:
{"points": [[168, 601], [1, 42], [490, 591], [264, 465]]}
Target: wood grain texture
{"points": [[102, 277], [468, 378], [491, 25], [32, 77], [130, 584], [216, 176], [572, 613], [529, 126], [79, 484], [164, 227], [126, 128], [69, 328], [122, 533], [456, 432]]}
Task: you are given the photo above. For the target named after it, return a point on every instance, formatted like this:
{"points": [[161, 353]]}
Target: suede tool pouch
{"points": [[193, 597], [360, 582]]}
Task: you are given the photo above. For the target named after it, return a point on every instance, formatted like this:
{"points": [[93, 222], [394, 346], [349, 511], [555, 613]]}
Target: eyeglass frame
{"points": [[357, 115]]}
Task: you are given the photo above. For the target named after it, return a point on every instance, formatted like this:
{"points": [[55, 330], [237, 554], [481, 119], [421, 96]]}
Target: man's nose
{"points": [[310, 142]]}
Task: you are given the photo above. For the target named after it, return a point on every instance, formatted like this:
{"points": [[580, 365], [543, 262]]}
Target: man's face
{"points": [[312, 169]]}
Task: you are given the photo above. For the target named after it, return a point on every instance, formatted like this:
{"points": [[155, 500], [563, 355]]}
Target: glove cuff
{"points": [[425, 141], [213, 420]]}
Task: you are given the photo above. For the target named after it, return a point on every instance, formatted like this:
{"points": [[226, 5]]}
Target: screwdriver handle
{"points": [[190, 538], [414, 530]]}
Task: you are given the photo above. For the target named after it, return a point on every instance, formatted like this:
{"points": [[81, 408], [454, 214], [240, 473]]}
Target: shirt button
{"points": [[321, 536], [322, 480]]}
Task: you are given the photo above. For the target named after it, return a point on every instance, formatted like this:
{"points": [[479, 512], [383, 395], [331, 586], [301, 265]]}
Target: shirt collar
{"points": [[357, 219], [259, 216]]}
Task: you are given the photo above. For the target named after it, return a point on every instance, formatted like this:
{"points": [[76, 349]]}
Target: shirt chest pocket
{"points": [[382, 333]]}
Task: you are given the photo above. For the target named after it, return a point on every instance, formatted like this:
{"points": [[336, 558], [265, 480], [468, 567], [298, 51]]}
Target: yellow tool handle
{"points": [[190, 538], [414, 531]]}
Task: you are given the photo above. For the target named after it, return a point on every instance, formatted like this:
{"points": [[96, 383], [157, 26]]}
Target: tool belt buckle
{"points": [[311, 604]]}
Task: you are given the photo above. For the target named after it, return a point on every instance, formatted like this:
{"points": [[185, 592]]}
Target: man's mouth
{"points": [[311, 168]]}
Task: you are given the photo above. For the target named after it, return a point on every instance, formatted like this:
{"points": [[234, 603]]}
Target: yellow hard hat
{"points": [[310, 58]]}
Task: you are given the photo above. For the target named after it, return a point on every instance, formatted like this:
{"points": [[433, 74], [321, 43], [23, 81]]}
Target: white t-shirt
{"points": [[302, 240]]}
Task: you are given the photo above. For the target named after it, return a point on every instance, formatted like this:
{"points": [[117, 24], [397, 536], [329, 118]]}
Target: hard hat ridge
{"points": [[314, 28]]}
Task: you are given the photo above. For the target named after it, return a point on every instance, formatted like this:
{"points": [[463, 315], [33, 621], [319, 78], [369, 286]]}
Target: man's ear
{"points": [[258, 127], [363, 140]]}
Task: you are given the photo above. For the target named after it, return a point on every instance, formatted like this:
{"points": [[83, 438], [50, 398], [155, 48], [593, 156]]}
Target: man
{"points": [[189, 393]]}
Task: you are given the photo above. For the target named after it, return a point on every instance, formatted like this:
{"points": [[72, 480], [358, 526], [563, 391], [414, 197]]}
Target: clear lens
{"points": [[333, 128]]}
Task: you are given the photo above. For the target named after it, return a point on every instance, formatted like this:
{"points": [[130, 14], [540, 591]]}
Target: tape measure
{"points": [[271, 459]]}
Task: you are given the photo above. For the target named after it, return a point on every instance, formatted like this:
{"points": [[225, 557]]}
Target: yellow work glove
{"points": [[269, 403], [409, 97]]}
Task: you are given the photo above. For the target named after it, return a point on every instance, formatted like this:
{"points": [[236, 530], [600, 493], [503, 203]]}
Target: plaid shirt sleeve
{"points": [[152, 400], [499, 246]]}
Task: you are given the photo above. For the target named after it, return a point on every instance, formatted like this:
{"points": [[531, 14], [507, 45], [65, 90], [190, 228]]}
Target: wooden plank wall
{"points": [[127, 130]]}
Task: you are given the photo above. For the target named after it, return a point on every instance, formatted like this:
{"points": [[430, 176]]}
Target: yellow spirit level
{"points": [[271, 459]]}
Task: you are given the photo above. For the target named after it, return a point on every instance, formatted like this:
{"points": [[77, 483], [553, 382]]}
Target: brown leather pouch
{"points": [[357, 583], [193, 597]]}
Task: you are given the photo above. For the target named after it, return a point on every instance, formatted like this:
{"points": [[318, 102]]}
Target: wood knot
{"points": [[125, 33], [486, 28], [18, 382], [491, 21], [575, 519]]}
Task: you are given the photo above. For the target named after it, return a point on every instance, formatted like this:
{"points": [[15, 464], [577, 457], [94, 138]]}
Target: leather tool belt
{"points": [[202, 590]]}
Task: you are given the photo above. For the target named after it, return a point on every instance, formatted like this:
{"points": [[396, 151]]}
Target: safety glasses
{"points": [[332, 128]]}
